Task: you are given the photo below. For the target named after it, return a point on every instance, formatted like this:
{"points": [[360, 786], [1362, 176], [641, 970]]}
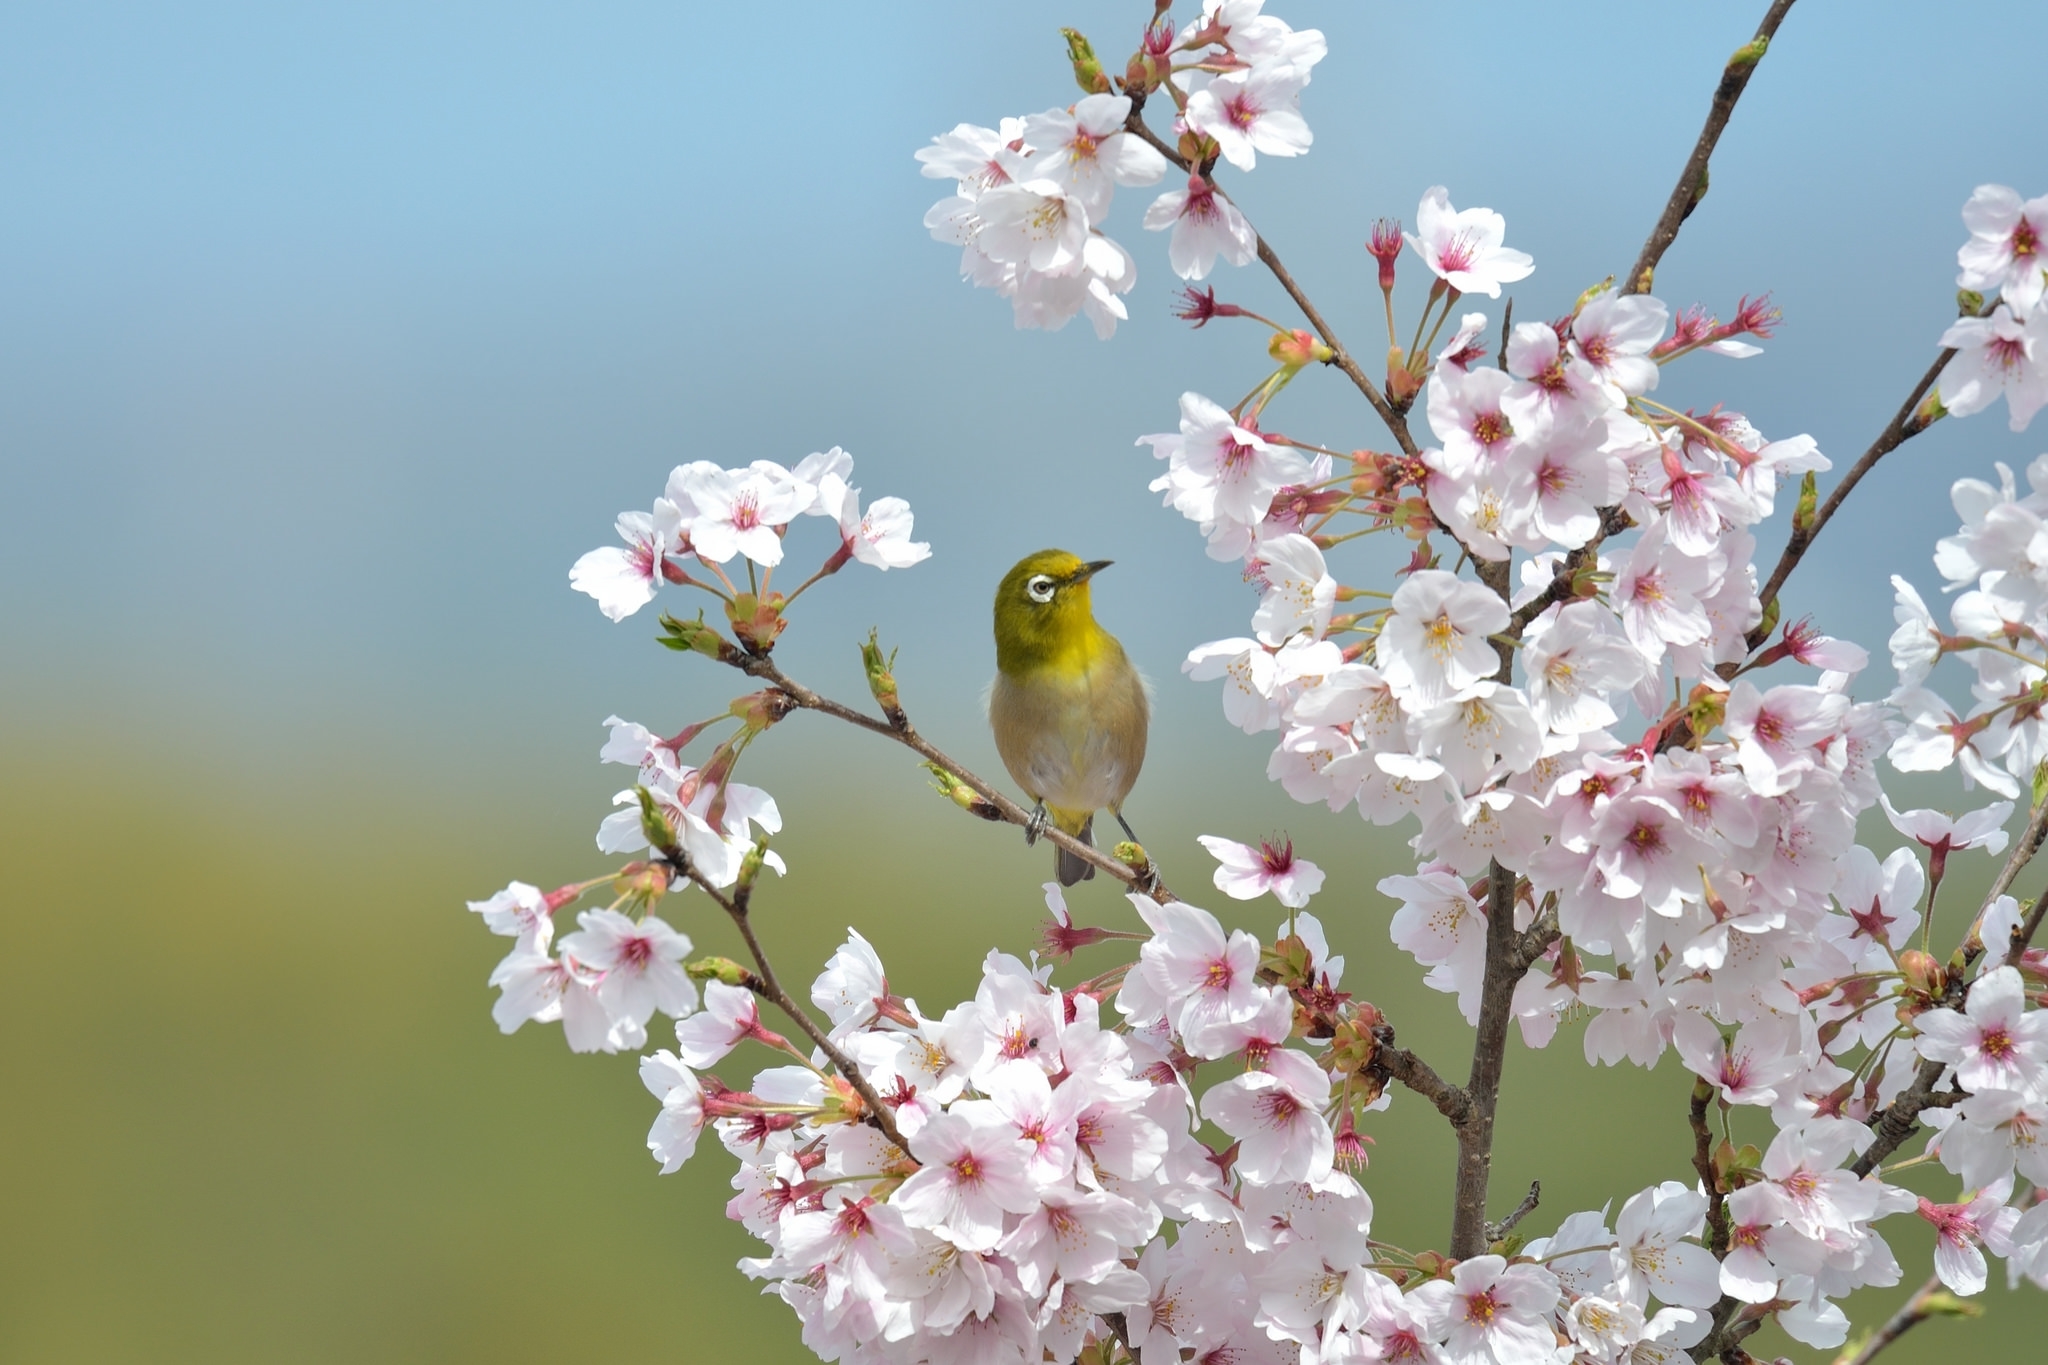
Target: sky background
{"points": [[330, 336]]}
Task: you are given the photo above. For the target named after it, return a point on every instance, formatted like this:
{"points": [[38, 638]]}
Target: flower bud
{"points": [[1133, 856], [1750, 53], [1088, 72], [718, 969], [960, 794], [1924, 976], [653, 824], [882, 680], [694, 637], [1969, 303], [1297, 348], [1808, 505], [750, 866]]}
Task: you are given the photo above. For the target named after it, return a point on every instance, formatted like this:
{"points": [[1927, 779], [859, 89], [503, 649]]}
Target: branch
{"points": [[735, 907], [1120, 1329], [1342, 359], [1496, 1231], [1613, 521], [1692, 181], [1906, 423], [1916, 1310], [1410, 1070], [1703, 1163], [1509, 951], [1145, 879]]}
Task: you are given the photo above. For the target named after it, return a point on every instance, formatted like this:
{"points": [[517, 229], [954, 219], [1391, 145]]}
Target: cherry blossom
{"points": [[1992, 1042], [1464, 248], [1245, 872], [2008, 246], [2000, 354], [623, 581], [1248, 112]]}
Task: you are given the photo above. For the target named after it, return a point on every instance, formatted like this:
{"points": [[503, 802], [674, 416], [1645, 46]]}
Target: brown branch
{"points": [[1906, 423], [1145, 879], [1692, 181], [1120, 1329], [1341, 358], [1703, 1164], [1613, 521], [735, 907], [1509, 952], [1410, 1070], [1914, 1312], [1496, 1231]]}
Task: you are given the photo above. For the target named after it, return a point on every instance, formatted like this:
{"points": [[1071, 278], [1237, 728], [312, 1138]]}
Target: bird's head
{"points": [[1042, 609]]}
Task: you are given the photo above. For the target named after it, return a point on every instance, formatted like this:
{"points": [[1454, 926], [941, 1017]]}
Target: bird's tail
{"points": [[1070, 868]]}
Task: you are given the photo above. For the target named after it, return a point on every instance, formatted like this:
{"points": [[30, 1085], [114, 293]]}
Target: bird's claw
{"points": [[1035, 826]]}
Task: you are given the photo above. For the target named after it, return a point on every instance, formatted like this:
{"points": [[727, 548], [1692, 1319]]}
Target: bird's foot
{"points": [[1035, 826], [1129, 833]]}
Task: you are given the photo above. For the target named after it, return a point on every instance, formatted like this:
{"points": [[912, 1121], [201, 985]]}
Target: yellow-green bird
{"points": [[1068, 708]]}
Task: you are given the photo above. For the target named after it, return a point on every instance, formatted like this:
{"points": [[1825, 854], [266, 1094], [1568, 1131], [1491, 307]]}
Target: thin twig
{"points": [[1145, 879], [1496, 1231], [1692, 181], [1906, 423], [771, 988], [1341, 358], [1909, 1316]]}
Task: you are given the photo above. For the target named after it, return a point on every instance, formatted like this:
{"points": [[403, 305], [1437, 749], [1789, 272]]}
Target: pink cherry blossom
{"points": [[1206, 227], [1992, 1041], [1246, 872], [973, 1173], [2008, 246], [1248, 112], [1464, 248], [623, 581]]}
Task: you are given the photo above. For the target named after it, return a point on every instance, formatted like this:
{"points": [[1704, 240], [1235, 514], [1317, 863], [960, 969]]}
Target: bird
{"points": [[1067, 706]]}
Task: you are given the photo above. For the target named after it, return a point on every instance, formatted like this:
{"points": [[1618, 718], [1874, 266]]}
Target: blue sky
{"points": [[329, 336]]}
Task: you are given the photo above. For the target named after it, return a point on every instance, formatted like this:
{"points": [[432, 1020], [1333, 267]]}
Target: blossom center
{"points": [[2026, 241], [1457, 254]]}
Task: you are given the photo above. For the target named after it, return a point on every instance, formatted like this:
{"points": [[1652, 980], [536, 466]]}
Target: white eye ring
{"points": [[1040, 587]]}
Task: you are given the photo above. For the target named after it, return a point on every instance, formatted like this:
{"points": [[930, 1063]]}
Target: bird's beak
{"points": [[1088, 571]]}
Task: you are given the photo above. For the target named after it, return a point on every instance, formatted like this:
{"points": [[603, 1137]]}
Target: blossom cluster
{"points": [[712, 514], [2003, 350], [1049, 1143], [1032, 194], [1604, 731]]}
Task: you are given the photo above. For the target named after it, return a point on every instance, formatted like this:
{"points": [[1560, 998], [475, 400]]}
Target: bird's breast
{"points": [[1072, 734]]}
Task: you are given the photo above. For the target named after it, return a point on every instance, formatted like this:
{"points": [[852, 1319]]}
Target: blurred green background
{"points": [[329, 336]]}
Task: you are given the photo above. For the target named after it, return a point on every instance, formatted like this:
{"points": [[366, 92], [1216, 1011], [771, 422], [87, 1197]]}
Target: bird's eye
{"points": [[1040, 587]]}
